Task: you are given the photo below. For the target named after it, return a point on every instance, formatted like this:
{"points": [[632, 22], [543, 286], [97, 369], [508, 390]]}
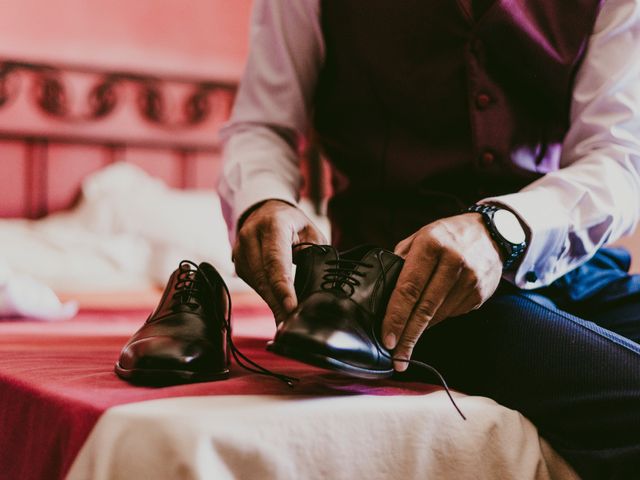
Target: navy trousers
{"points": [[566, 356]]}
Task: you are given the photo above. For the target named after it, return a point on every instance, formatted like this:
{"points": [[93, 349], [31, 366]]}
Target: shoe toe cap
{"points": [[331, 327], [167, 353]]}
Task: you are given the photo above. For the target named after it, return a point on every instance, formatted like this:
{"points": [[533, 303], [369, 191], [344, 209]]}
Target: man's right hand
{"points": [[262, 253]]}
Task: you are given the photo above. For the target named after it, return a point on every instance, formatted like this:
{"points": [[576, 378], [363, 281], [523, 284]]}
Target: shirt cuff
{"points": [[542, 213], [259, 189]]}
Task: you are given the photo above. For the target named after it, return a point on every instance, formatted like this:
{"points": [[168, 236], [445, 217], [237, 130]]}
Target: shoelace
{"points": [[188, 289], [340, 274], [186, 286], [343, 273]]}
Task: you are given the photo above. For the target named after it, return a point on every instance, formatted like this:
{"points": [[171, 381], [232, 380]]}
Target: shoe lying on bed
{"points": [[342, 298], [188, 336], [185, 338]]}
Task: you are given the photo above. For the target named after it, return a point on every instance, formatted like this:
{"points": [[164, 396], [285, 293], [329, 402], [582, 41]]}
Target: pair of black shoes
{"points": [[342, 298]]}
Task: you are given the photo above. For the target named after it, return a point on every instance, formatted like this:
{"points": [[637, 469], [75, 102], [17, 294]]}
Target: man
{"points": [[425, 109]]}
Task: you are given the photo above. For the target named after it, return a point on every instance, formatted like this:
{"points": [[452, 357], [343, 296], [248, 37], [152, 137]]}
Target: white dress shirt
{"points": [[592, 199]]}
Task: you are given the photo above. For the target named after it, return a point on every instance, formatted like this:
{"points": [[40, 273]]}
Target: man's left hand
{"points": [[452, 266]]}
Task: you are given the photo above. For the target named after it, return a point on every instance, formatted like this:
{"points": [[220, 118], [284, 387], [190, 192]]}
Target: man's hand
{"points": [[452, 266], [262, 253]]}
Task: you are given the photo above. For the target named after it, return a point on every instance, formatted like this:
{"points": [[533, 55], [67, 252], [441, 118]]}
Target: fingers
{"points": [[311, 234], [418, 268], [462, 298], [277, 260], [248, 262], [451, 267], [263, 256], [469, 303], [442, 281], [276, 263]]}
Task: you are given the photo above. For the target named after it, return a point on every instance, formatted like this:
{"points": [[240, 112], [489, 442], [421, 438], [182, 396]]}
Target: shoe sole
{"points": [[163, 378], [326, 362]]}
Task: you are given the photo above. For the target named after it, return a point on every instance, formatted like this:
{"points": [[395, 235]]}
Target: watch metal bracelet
{"points": [[512, 252]]}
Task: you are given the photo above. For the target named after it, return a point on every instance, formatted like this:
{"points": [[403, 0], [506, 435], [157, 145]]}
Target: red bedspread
{"points": [[56, 380]]}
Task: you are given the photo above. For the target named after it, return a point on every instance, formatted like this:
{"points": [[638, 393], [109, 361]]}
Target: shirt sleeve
{"points": [[271, 110], [594, 198]]}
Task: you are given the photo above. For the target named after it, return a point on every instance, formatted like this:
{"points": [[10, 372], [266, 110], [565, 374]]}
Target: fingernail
{"points": [[390, 341], [400, 366]]}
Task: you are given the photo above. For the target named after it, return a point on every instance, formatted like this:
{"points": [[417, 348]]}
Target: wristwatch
{"points": [[505, 229]]}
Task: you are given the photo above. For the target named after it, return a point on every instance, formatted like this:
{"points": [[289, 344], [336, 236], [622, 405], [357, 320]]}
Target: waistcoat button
{"points": [[487, 159], [483, 101]]}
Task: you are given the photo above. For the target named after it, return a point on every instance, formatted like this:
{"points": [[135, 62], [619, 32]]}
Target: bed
{"points": [[64, 413]]}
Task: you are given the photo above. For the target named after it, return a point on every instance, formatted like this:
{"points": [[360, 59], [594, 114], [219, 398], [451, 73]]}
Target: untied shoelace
{"points": [[241, 359]]}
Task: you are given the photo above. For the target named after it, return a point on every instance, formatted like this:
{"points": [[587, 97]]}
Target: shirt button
{"points": [[483, 101], [531, 277], [487, 159]]}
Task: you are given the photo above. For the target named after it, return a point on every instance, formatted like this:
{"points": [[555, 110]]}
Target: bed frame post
{"points": [[37, 177]]}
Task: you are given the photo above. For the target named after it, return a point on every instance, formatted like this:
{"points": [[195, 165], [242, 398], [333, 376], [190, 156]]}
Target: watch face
{"points": [[509, 227]]}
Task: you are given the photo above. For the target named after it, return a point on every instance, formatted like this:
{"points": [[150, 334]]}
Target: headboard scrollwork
{"points": [[52, 92]]}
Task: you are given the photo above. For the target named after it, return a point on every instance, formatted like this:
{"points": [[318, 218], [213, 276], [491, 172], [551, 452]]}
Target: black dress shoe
{"points": [[186, 338], [342, 298]]}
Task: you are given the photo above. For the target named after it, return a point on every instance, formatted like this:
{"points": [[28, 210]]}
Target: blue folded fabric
{"points": [[604, 278]]}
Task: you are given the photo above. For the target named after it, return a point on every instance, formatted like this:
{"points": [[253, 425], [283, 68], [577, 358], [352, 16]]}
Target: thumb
{"points": [[312, 234]]}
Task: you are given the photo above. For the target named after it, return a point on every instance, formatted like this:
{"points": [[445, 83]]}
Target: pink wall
{"points": [[199, 37]]}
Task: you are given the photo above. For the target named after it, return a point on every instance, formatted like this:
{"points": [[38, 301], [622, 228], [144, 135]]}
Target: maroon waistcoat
{"points": [[423, 109]]}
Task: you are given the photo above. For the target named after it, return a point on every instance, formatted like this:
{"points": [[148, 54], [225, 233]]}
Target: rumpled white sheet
{"points": [[22, 296], [129, 231], [268, 437]]}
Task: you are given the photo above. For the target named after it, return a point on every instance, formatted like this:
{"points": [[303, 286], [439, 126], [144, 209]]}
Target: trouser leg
{"points": [[621, 316], [577, 382]]}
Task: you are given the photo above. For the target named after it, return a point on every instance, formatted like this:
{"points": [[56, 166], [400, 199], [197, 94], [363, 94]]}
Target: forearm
{"points": [[260, 158], [259, 164], [573, 212]]}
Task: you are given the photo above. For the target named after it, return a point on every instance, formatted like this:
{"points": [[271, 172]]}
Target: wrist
{"points": [[257, 206]]}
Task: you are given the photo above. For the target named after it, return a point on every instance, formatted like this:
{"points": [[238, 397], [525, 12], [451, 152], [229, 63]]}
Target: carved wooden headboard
{"points": [[60, 122]]}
